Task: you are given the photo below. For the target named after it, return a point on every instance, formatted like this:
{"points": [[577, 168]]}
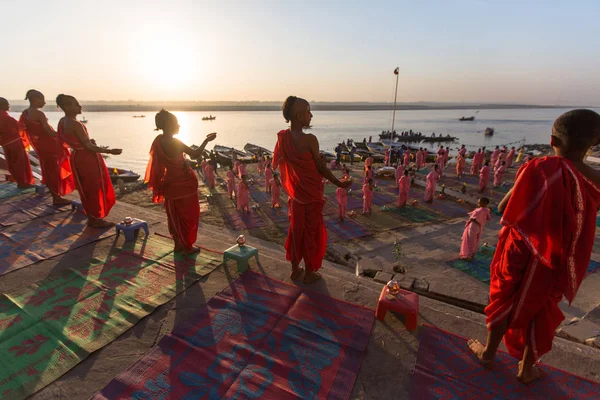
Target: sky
{"points": [[528, 51]]}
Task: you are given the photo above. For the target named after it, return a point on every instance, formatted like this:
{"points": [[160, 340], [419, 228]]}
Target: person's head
{"points": [[36, 98], [497, 147], [462, 147], [575, 131], [420, 149], [479, 151], [166, 122], [297, 111], [276, 175], [405, 172], [442, 147], [483, 202], [435, 167], [68, 104], [512, 148], [503, 163], [487, 164], [244, 178], [4, 105]]}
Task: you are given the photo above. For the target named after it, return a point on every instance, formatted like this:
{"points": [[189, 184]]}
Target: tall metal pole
{"points": [[396, 72]]}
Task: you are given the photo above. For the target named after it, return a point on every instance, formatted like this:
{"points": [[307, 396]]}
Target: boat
{"points": [[467, 118], [363, 151], [83, 120], [139, 116], [385, 172], [488, 131], [209, 118], [345, 154], [377, 147], [126, 176], [439, 139], [256, 150], [327, 155], [224, 155]]}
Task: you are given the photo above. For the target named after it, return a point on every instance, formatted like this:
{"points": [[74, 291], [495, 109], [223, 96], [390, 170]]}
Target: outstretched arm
{"points": [[313, 144], [504, 201], [90, 145], [195, 154]]}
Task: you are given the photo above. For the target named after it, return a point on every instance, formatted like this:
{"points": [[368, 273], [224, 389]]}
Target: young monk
{"points": [[495, 155], [210, 176], [520, 154], [460, 165], [419, 159], [544, 247], [14, 148], [302, 171], [462, 151], [501, 159], [499, 174], [275, 190], [424, 157], [484, 176], [368, 189], [399, 173], [89, 170], [341, 195], [243, 196], [174, 182], [52, 153], [404, 185], [230, 178], [510, 157], [407, 157], [236, 166], [440, 161], [242, 170], [368, 162], [368, 174], [432, 179], [477, 163], [474, 229], [268, 177], [386, 157], [261, 164]]}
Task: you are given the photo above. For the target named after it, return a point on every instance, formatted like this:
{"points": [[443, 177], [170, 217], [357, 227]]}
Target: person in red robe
{"points": [[14, 148], [89, 170], [52, 153], [174, 182], [302, 171], [544, 249]]}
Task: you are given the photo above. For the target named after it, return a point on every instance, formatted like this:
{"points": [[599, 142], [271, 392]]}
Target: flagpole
{"points": [[396, 72]]}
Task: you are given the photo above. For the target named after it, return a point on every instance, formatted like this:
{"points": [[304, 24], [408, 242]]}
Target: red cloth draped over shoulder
{"points": [[553, 207], [53, 155], [299, 174], [11, 140], [169, 178], [90, 173]]}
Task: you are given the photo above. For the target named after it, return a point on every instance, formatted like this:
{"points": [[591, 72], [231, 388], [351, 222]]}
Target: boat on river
{"points": [[467, 118], [256, 150], [119, 173]]}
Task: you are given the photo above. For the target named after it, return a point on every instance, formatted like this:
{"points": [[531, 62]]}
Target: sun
{"points": [[168, 63]]}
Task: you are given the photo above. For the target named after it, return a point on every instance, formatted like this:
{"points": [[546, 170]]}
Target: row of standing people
{"points": [[69, 159]]}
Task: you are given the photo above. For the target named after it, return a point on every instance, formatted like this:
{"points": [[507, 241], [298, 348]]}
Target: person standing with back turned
{"points": [[302, 170]]}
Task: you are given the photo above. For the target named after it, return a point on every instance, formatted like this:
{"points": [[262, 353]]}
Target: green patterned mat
{"points": [[415, 214], [479, 267], [50, 326]]}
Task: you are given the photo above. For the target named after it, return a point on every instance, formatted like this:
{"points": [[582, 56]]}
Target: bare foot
{"points": [[477, 348], [532, 375], [296, 273], [100, 223], [192, 250], [311, 277]]}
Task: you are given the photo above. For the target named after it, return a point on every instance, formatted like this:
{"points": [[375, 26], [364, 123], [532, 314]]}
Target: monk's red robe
{"points": [[53, 156], [14, 150], [307, 236], [90, 174], [543, 252], [173, 181]]}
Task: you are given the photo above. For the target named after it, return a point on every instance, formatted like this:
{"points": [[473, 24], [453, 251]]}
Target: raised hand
{"points": [[211, 136], [116, 152]]}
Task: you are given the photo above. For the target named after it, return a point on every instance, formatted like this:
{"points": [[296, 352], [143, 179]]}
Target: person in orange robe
{"points": [[404, 185], [52, 153], [302, 171], [174, 182], [544, 249], [14, 148], [89, 170]]}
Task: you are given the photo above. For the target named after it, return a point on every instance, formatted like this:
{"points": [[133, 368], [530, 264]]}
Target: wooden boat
{"points": [[83, 120], [256, 150], [139, 116], [224, 155], [438, 139], [346, 154], [118, 173], [467, 118], [209, 118], [386, 172], [377, 147], [488, 131], [327, 155]]}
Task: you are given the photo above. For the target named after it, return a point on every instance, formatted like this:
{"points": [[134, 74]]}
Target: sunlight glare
{"points": [[184, 129], [169, 63]]}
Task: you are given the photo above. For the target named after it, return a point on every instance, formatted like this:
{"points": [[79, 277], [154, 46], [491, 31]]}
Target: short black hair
{"points": [[161, 119], [578, 129], [64, 100], [484, 200]]}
